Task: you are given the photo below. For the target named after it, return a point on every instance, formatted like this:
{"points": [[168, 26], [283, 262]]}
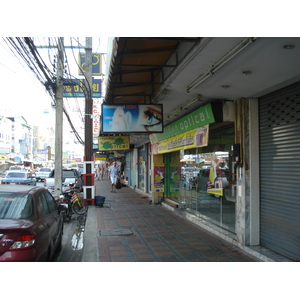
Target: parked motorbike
{"points": [[65, 205]]}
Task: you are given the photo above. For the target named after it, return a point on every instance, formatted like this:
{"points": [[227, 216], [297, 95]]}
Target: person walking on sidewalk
{"points": [[98, 172], [114, 174], [101, 172]]}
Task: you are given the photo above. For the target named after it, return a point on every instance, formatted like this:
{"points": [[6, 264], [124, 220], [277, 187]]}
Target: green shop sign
{"points": [[198, 118]]}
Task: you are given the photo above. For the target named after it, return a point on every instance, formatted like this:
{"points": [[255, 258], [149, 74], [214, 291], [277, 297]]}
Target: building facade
{"points": [[231, 168]]}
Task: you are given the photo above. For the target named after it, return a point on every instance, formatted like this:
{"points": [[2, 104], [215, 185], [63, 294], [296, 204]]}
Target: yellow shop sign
{"points": [[108, 143], [191, 139]]}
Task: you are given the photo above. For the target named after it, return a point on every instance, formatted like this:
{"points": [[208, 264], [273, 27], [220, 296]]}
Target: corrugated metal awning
{"points": [[135, 67]]}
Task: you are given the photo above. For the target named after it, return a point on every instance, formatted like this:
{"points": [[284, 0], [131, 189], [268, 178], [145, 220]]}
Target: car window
{"points": [[15, 206], [45, 170], [16, 168], [50, 201], [68, 173], [43, 205], [16, 175]]}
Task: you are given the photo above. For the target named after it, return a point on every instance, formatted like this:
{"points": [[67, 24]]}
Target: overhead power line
{"points": [[24, 48]]}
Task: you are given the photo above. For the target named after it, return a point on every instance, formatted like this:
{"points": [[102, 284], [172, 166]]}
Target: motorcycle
{"points": [[65, 205]]}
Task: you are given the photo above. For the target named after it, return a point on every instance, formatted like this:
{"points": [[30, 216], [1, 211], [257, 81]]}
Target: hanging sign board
{"points": [[96, 121], [132, 118], [75, 88], [195, 138], [198, 118], [96, 64], [108, 143]]}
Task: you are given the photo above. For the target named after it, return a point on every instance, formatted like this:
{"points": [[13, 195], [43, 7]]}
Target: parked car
{"points": [[17, 168], [80, 170], [31, 227], [201, 180], [42, 174], [69, 176], [19, 177]]}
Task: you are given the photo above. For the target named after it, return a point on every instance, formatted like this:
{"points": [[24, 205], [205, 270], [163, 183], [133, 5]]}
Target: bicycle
{"points": [[79, 205]]}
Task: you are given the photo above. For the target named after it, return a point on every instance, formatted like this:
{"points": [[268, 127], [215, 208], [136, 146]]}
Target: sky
{"points": [[22, 94]]}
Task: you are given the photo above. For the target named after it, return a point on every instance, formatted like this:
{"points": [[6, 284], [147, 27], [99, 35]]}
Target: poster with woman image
{"points": [[175, 174], [123, 118], [159, 180]]}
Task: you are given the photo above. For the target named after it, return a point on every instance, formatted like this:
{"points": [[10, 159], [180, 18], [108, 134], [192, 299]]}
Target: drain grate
{"points": [[116, 232]]}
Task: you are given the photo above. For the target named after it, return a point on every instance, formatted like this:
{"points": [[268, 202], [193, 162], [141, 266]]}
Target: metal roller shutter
{"points": [[280, 171]]}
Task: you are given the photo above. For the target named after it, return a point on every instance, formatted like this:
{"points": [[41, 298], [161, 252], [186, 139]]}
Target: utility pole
{"points": [[89, 188], [88, 100], [59, 118]]}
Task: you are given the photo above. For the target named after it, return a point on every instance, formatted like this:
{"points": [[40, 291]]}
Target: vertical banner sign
{"points": [[159, 174], [96, 119]]}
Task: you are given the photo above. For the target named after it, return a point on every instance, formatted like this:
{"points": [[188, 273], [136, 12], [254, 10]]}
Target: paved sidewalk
{"points": [[130, 229]]}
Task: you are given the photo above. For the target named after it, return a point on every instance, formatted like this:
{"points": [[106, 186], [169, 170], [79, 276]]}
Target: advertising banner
{"points": [[75, 88], [159, 171], [96, 121], [198, 118], [132, 118], [96, 64], [108, 143], [195, 138], [175, 175]]}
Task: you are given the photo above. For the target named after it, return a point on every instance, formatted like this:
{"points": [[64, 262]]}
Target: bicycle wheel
{"points": [[80, 207]]}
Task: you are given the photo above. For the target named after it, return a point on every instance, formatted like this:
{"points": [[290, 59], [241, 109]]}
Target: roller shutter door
{"points": [[280, 171]]}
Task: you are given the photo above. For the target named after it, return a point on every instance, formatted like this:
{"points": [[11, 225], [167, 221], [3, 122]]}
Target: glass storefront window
{"points": [[207, 185]]}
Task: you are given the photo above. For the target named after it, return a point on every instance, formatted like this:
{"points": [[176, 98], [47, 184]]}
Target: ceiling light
{"points": [[289, 46], [225, 86], [227, 57], [247, 72]]}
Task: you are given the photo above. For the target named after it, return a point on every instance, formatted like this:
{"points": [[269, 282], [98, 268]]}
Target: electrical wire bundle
{"points": [[25, 48]]}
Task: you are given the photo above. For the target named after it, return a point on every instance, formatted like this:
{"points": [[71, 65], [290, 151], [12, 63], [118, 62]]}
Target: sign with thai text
{"points": [[192, 139], [76, 88], [96, 121]]}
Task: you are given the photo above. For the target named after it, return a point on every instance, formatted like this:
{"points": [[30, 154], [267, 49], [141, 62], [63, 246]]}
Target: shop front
{"points": [[195, 169]]}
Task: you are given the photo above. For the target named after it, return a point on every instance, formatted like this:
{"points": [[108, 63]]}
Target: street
{"points": [[72, 242]]}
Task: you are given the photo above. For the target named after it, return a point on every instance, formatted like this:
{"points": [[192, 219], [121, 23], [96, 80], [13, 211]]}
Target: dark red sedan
{"points": [[31, 227]]}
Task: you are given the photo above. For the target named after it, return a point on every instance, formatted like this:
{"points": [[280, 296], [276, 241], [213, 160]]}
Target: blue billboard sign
{"points": [[75, 88], [96, 64], [129, 118]]}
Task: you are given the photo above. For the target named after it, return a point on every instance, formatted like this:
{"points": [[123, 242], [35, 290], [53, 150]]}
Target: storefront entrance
{"points": [[203, 180]]}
